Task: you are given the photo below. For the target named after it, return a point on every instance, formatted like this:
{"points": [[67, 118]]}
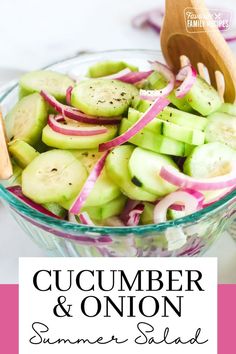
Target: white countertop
{"points": [[36, 33]]}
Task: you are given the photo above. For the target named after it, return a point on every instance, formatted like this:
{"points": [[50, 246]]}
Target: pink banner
{"points": [[226, 319]]}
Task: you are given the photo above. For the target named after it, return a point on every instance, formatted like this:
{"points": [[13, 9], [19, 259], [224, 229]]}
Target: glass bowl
{"points": [[61, 238]]}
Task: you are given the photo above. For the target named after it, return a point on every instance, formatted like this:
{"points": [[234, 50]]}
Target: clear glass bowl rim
{"points": [[73, 228]]}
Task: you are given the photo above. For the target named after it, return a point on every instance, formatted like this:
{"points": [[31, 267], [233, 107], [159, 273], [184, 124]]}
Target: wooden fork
{"points": [[6, 170], [204, 47]]}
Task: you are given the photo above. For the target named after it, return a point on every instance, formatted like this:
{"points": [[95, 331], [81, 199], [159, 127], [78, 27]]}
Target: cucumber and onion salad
{"points": [[143, 147]]}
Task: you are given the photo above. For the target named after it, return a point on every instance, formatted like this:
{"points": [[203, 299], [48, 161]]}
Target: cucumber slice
{"points": [[57, 140], [221, 127], [184, 134], [145, 166], [147, 214], [108, 67], [54, 176], [55, 209], [15, 179], [156, 143], [228, 108], [175, 214], [54, 83], [203, 97], [113, 208], [173, 115], [27, 119], [156, 82], [87, 157], [209, 160], [155, 125], [117, 169], [22, 152], [101, 97]]}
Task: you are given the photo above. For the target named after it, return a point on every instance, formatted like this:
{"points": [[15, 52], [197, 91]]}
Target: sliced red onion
{"points": [[168, 75], [186, 198], [17, 192], [187, 75], [157, 106], [68, 95], [88, 185], [173, 176], [152, 18], [85, 219], [230, 35], [130, 77], [134, 215], [54, 123], [215, 198], [130, 205], [75, 114]]}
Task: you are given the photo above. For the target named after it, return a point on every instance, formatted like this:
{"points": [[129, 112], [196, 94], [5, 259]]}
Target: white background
{"points": [[36, 33], [36, 306]]}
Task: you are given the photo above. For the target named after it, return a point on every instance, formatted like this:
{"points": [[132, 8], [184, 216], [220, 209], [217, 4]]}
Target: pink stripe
{"points": [[226, 319], [9, 319]]}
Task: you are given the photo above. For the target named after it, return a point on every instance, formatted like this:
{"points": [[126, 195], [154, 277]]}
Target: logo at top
{"points": [[200, 20]]}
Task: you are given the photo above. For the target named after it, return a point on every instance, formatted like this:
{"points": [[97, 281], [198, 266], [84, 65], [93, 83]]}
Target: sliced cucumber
{"points": [[101, 97], [155, 125], [203, 97], [57, 140], [54, 176], [173, 115], [145, 166], [27, 119], [209, 160], [113, 208], [154, 142], [108, 67], [228, 108], [147, 214], [117, 169], [221, 127], [54, 83], [175, 214], [184, 134], [56, 209], [15, 179], [22, 152], [87, 157], [156, 82]]}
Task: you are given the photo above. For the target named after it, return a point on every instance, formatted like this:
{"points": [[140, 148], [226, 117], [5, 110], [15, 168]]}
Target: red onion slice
{"points": [[85, 219], [75, 114], [179, 179], [157, 106], [168, 75], [130, 77], [55, 125], [152, 18], [134, 215], [188, 76], [186, 198], [17, 192], [89, 185], [68, 95]]}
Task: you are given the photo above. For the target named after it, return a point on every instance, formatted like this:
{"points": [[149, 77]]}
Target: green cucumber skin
{"points": [[118, 170], [147, 215], [203, 98], [186, 135], [113, 208], [155, 126], [153, 142], [55, 209], [102, 97], [60, 141], [22, 152], [222, 128], [108, 67], [16, 119], [53, 82], [175, 116], [147, 173], [213, 159]]}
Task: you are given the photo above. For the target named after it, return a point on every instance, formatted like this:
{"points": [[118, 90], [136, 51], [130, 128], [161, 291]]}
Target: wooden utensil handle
{"points": [[171, 5]]}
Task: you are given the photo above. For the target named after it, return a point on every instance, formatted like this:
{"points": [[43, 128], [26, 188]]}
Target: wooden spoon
{"points": [[6, 170], [204, 46]]}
